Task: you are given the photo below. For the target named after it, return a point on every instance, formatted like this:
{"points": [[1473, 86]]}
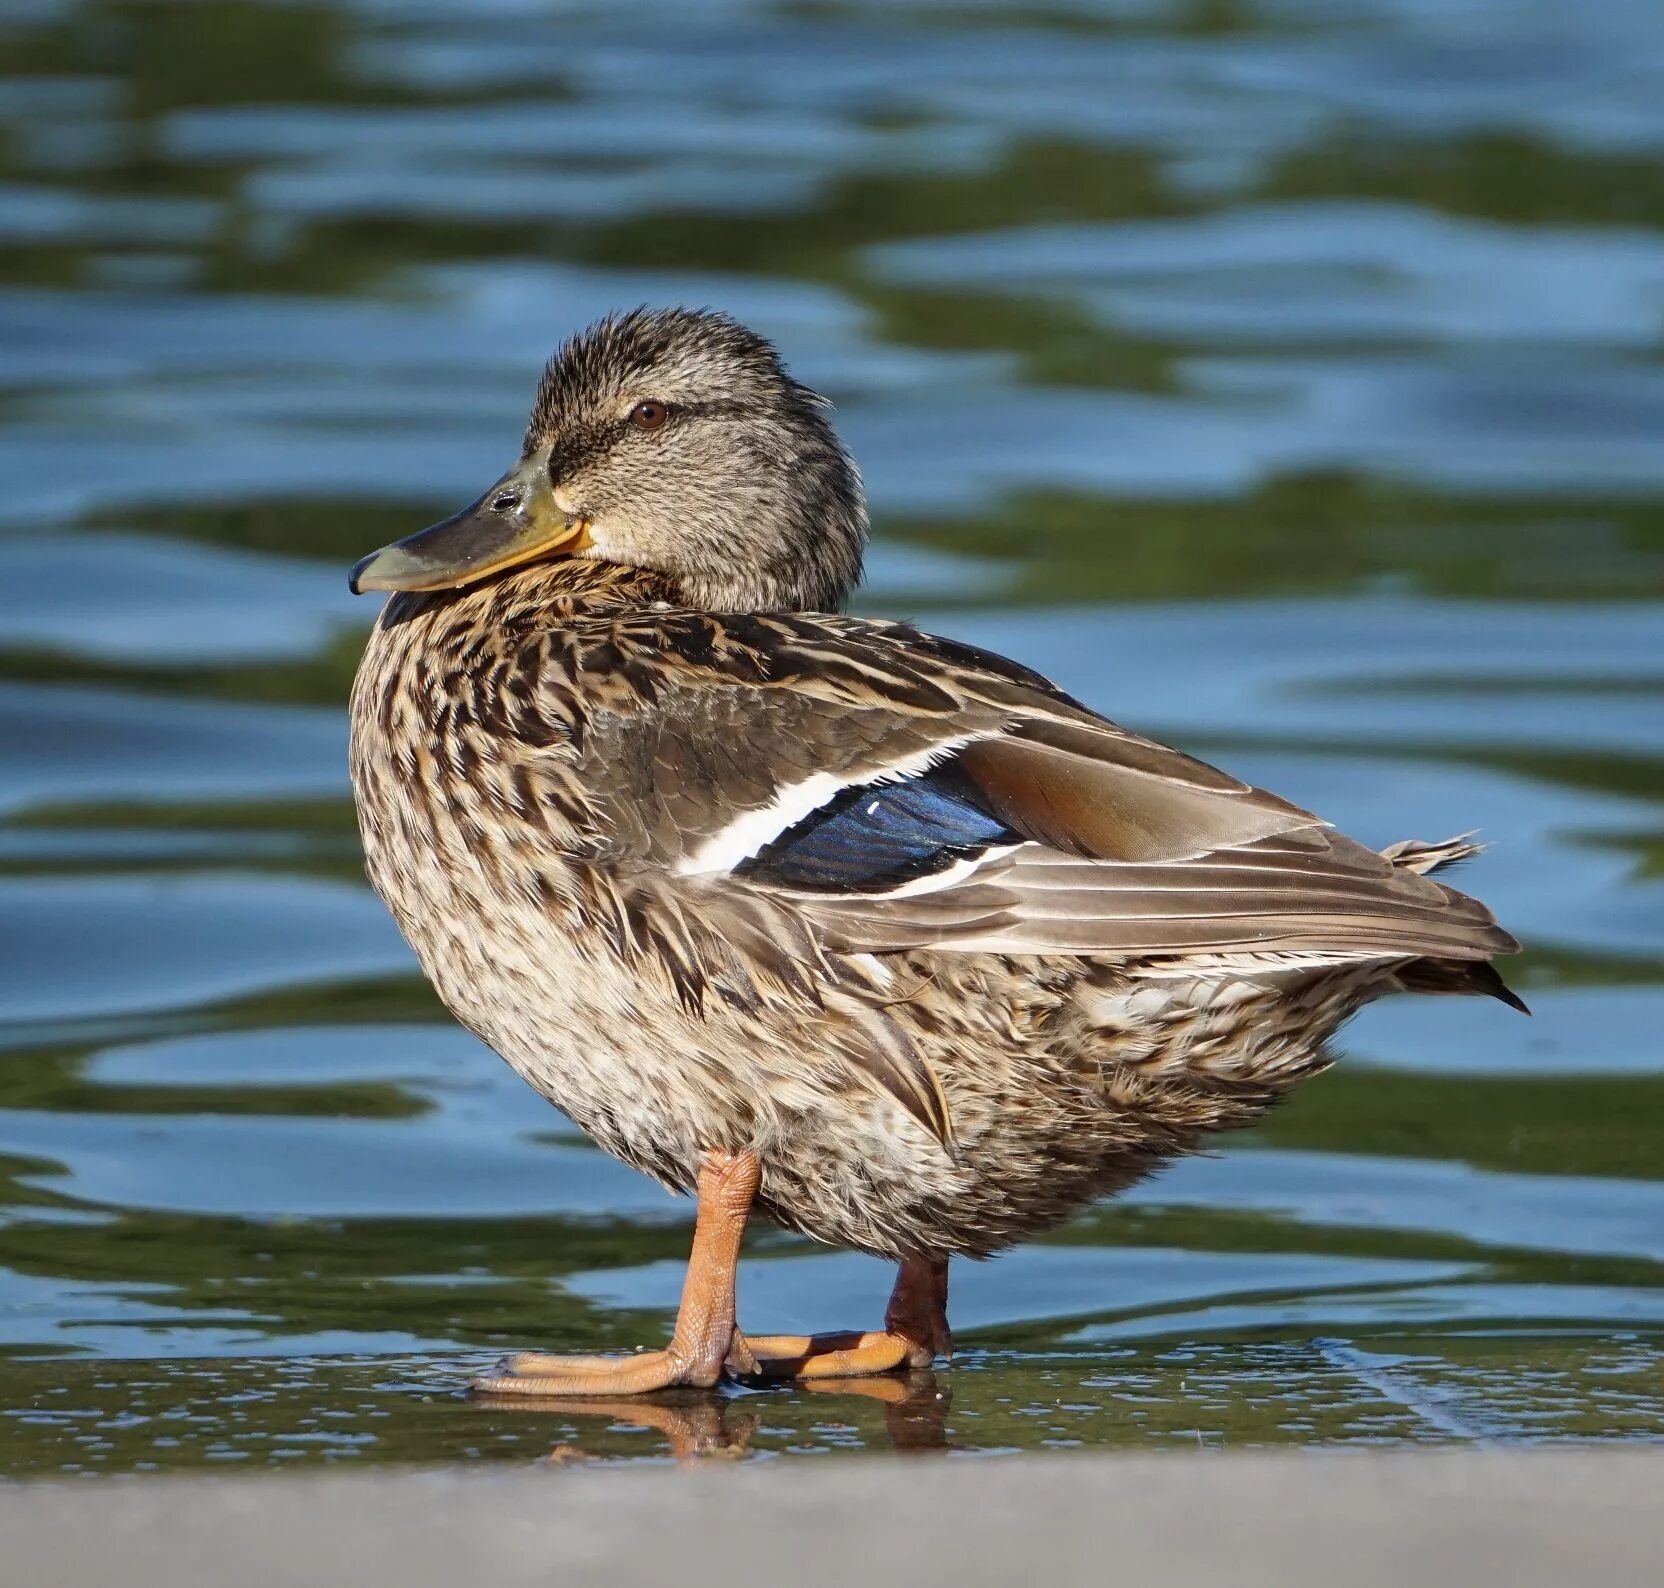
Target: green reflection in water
{"points": [[116, 1416]]}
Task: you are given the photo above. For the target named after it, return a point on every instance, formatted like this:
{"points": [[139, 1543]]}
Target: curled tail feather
{"points": [[1411, 854], [1448, 975]]}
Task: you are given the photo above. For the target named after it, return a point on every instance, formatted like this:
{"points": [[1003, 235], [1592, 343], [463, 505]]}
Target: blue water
{"points": [[1284, 377]]}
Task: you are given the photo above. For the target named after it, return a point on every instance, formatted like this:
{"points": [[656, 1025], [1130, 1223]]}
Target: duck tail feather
{"points": [[1411, 854], [1468, 976]]}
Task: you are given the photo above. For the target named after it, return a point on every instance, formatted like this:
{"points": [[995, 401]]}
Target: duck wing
{"points": [[905, 791]]}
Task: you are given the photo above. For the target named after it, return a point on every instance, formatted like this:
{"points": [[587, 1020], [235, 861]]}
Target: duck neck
{"points": [[536, 596]]}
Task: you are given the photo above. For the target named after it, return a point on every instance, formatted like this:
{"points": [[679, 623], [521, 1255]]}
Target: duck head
{"points": [[666, 439]]}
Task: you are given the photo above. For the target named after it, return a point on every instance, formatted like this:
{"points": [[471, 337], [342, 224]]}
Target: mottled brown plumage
{"points": [[940, 951]]}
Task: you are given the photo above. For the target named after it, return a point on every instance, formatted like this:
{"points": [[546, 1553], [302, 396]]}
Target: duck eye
{"points": [[649, 415]]}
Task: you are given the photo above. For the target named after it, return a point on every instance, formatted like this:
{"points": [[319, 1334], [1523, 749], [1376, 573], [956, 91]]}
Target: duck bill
{"points": [[516, 521]]}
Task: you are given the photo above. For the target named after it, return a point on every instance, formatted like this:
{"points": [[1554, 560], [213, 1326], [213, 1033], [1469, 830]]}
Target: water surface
{"points": [[1283, 377]]}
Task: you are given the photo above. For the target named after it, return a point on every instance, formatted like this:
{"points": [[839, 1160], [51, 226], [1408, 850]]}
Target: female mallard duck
{"points": [[873, 931]]}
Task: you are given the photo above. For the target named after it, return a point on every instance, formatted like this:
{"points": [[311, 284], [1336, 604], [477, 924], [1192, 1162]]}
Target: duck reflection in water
{"points": [[703, 1425]]}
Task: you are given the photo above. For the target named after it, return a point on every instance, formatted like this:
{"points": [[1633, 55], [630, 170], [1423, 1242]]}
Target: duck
{"points": [[823, 918]]}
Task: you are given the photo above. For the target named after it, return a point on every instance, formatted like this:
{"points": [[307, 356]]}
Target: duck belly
{"points": [[1067, 1080], [1064, 1080]]}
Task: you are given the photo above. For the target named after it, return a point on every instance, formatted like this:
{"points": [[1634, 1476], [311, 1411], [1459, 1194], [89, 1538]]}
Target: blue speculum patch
{"points": [[879, 835]]}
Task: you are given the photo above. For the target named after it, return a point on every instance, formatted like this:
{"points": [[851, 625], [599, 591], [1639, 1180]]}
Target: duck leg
{"points": [[915, 1332], [704, 1329]]}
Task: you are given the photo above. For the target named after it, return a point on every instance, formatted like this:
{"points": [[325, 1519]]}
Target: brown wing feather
{"points": [[1158, 854], [1169, 855], [1104, 808]]}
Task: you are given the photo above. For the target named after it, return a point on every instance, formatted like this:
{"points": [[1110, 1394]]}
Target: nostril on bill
{"points": [[505, 502]]}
